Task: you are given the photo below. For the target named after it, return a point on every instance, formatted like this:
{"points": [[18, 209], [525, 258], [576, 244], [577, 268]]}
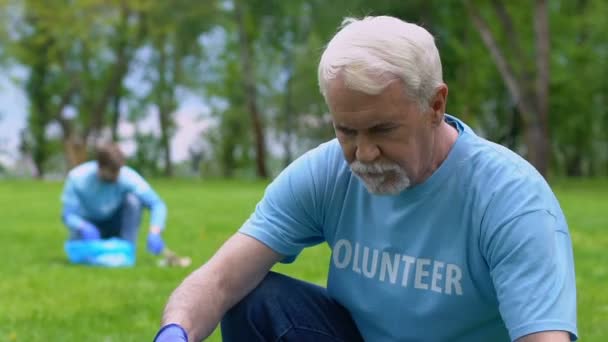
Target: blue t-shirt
{"points": [[480, 251], [87, 198]]}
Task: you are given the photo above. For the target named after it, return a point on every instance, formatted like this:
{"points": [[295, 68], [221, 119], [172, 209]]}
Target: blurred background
{"points": [[228, 88], [211, 99]]}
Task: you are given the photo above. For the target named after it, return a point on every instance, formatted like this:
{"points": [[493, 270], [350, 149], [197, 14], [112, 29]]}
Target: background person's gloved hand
{"points": [[171, 333], [88, 231], [155, 243]]}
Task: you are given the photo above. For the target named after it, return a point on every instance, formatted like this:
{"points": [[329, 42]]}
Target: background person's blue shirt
{"points": [[478, 252], [87, 198]]}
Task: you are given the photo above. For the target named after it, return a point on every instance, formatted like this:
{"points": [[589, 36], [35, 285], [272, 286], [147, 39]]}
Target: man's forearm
{"points": [[546, 336], [155, 229], [200, 302], [197, 304], [73, 221], [158, 208]]}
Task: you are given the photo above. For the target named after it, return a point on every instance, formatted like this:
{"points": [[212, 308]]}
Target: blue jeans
{"points": [[124, 223], [286, 309]]}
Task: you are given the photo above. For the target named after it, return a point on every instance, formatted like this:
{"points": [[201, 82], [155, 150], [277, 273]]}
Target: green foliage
{"points": [[78, 55], [172, 32], [579, 115], [147, 156], [46, 299]]}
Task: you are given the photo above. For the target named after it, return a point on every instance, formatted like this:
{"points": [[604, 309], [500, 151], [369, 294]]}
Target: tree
{"points": [[78, 57], [528, 87], [173, 30], [249, 84], [578, 102]]}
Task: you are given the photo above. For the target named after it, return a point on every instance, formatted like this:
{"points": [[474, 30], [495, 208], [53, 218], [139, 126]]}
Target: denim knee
{"points": [[261, 314], [266, 294]]}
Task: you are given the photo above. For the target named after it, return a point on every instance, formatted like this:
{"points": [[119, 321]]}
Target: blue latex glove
{"points": [[155, 243], [171, 333], [88, 231]]}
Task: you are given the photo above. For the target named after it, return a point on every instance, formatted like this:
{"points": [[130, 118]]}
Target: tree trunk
{"points": [[250, 91], [164, 116], [165, 96], [115, 117], [288, 109], [74, 146], [542, 141], [114, 82], [39, 114], [38, 119], [75, 151], [531, 99]]}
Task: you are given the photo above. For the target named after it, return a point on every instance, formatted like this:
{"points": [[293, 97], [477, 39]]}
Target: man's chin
{"points": [[386, 189]]}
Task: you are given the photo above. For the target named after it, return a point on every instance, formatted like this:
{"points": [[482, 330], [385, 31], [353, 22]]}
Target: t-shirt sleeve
{"points": [[137, 185], [69, 197], [288, 218], [71, 206], [531, 264]]}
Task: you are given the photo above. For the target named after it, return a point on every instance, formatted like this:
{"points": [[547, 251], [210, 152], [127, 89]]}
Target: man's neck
{"points": [[445, 138]]}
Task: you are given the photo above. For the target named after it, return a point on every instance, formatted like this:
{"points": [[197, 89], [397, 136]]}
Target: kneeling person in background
{"points": [[103, 198]]}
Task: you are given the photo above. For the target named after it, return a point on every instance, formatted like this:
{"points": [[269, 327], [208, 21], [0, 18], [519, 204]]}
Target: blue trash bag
{"points": [[112, 252]]}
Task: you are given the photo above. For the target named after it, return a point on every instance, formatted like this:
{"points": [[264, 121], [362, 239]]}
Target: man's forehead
{"points": [[361, 120], [340, 97]]}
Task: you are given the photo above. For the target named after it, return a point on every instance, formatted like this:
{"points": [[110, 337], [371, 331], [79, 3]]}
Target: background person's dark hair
{"points": [[109, 156]]}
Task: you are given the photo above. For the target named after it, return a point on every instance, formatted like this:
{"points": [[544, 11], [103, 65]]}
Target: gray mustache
{"points": [[360, 167]]}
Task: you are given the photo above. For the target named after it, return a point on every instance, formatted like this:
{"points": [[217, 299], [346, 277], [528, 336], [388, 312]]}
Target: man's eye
{"points": [[384, 129], [347, 131]]}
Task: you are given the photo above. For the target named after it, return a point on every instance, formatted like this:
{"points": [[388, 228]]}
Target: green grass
{"points": [[43, 298]]}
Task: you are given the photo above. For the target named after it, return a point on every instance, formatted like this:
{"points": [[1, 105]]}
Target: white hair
{"points": [[372, 52]]}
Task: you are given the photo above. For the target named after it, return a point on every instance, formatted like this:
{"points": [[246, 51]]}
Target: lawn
{"points": [[43, 298]]}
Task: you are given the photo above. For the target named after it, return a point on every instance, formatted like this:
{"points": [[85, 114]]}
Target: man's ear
{"points": [[438, 104]]}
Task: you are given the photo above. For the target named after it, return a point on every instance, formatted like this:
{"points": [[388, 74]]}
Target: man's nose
{"points": [[367, 150]]}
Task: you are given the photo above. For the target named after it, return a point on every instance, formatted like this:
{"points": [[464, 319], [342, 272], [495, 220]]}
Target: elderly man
{"points": [[103, 198], [436, 234]]}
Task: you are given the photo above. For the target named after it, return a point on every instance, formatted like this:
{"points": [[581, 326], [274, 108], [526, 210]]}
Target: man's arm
{"points": [[546, 336], [199, 303], [69, 213], [78, 224], [532, 268], [149, 198], [139, 187]]}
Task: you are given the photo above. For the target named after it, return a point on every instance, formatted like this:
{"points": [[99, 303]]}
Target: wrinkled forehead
{"points": [[342, 97]]}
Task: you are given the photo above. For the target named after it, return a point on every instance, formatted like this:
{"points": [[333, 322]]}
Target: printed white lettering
{"points": [[452, 278], [356, 267], [386, 266], [406, 269], [437, 268], [348, 252], [421, 273], [371, 271]]}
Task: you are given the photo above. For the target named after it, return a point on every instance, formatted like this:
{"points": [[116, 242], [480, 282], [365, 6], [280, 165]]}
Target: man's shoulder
{"points": [[323, 160], [515, 168], [129, 171], [504, 178], [325, 149], [131, 180], [83, 170], [490, 160], [328, 153], [317, 170], [485, 159]]}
